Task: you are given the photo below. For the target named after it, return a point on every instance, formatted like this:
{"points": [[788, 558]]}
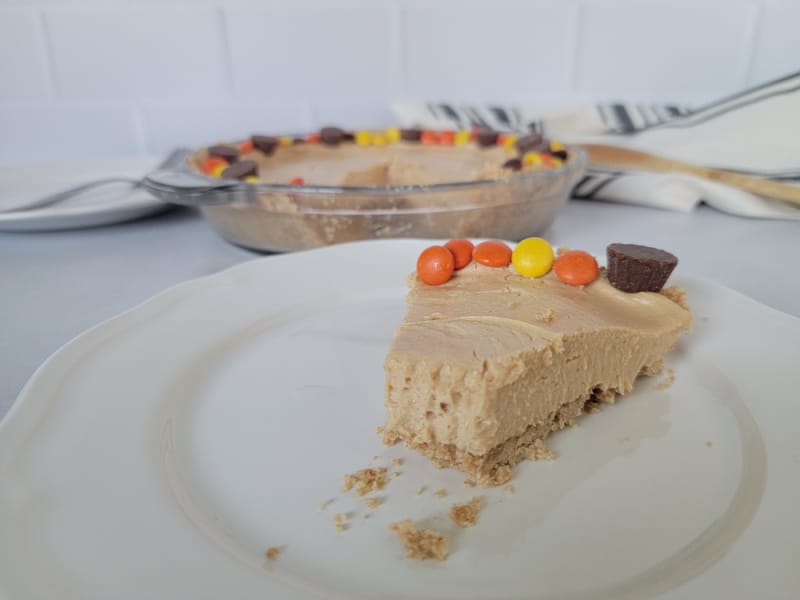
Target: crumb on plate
{"points": [[365, 480], [420, 544], [466, 515]]}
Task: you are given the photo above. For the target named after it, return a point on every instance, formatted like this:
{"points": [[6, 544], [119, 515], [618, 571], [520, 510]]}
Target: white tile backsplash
{"points": [[137, 51], [356, 112], [23, 60], [308, 49], [778, 41], [45, 131], [663, 49], [169, 124], [99, 77], [480, 51]]}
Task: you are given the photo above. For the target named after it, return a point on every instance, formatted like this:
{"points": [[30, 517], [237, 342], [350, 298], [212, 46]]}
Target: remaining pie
{"points": [[486, 365]]}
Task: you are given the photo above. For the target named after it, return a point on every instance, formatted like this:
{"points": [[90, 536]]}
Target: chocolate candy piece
{"points": [[633, 268], [411, 135], [240, 170], [514, 164], [225, 152], [265, 143], [332, 136], [349, 136], [560, 154], [527, 143], [486, 137]]}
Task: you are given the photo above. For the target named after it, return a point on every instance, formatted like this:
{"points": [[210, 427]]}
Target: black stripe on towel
{"points": [[624, 121]]}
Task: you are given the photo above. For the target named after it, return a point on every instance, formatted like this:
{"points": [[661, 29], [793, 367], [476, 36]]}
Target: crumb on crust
{"points": [[469, 483], [421, 490], [324, 504], [709, 443], [500, 475], [440, 493], [677, 294], [273, 552], [396, 462], [540, 451], [546, 316], [435, 316], [365, 480], [420, 544], [466, 515], [508, 488]]}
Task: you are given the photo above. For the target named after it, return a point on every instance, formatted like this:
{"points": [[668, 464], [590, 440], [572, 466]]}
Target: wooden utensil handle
{"points": [[615, 156]]}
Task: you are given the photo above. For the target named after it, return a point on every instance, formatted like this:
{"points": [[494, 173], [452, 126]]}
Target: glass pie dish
{"points": [[278, 217]]}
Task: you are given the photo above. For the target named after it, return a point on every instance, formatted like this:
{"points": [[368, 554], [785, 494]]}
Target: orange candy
{"points": [[462, 252], [576, 267], [313, 138], [501, 139], [212, 163], [246, 146], [435, 265], [447, 138], [296, 181], [492, 253], [429, 138]]}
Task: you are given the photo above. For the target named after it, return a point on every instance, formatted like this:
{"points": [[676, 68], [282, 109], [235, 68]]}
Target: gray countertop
{"points": [[55, 285]]}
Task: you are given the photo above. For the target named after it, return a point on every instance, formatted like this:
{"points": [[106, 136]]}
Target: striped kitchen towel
{"points": [[756, 131]]}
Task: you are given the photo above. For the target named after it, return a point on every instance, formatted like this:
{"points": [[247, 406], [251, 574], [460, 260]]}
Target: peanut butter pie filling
{"points": [[494, 356]]}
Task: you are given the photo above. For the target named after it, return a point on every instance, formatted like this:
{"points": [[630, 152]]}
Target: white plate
{"points": [[159, 454], [105, 205]]}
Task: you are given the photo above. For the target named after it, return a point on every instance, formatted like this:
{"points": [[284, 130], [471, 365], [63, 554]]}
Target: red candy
{"points": [[462, 252], [492, 253], [246, 146], [576, 267], [447, 138], [435, 265], [296, 181], [212, 163], [313, 138], [429, 138]]}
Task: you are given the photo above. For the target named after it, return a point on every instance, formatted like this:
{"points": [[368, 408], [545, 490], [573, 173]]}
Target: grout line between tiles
{"points": [[574, 48], [754, 39], [140, 131], [400, 57], [227, 58], [54, 86]]}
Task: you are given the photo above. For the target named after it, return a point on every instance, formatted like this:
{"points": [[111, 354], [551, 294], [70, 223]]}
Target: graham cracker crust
{"points": [[496, 466]]}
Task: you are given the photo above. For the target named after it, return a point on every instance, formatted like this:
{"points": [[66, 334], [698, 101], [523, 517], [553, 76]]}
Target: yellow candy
{"points": [[363, 138], [217, 170], [531, 158], [251, 179], [462, 138], [392, 135], [379, 140], [510, 141], [557, 162], [286, 141], [533, 257], [556, 146]]}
